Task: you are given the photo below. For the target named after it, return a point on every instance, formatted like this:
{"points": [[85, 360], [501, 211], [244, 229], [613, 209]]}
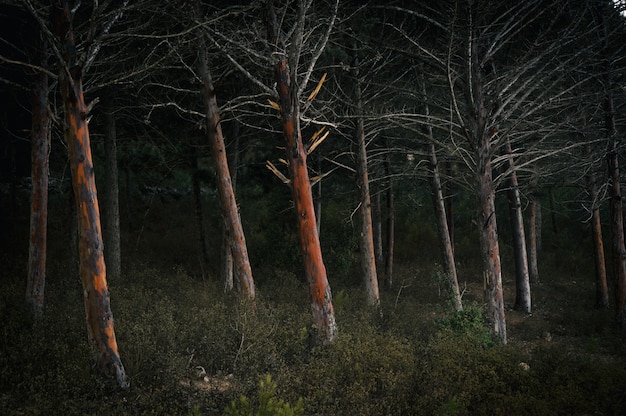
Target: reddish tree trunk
{"points": [[228, 204], [366, 236], [40, 146], [91, 257], [315, 271], [522, 278]]}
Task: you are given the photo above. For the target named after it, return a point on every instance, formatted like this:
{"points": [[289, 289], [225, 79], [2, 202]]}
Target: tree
{"points": [[111, 207], [289, 94], [230, 211], [91, 256], [366, 237], [40, 146]]}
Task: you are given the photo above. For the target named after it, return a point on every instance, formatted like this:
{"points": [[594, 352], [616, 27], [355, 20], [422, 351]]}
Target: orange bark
{"points": [[91, 256], [315, 271]]}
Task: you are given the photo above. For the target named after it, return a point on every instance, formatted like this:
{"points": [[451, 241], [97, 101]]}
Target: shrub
{"points": [[266, 403]]}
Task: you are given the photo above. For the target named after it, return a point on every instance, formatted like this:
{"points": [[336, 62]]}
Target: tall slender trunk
{"points": [[366, 237], [532, 244], [391, 225], [522, 276], [228, 204], [447, 252], [441, 218], [40, 146], [617, 214], [203, 240], [378, 231], [449, 201], [318, 199], [555, 228], [227, 269], [111, 218], [92, 267], [602, 290]]}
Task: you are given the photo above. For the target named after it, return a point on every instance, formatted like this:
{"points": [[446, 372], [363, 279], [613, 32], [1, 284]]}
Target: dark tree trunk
{"points": [[534, 217], [92, 268], [111, 218], [378, 231], [228, 204], [522, 278], [40, 145], [366, 237], [555, 228], [449, 266], [449, 202], [602, 290], [203, 240], [391, 225]]}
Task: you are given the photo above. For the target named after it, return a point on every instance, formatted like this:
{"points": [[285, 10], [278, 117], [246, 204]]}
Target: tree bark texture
{"points": [[91, 256], [40, 147], [366, 235], [522, 276], [449, 202], [228, 204], [533, 253], [449, 266], [111, 220], [378, 231], [315, 271]]}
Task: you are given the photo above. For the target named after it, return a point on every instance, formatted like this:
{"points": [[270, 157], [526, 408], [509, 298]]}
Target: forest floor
{"points": [[191, 350]]}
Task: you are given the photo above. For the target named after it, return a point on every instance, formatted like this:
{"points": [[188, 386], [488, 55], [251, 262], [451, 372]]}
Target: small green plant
{"points": [[469, 322], [268, 405]]}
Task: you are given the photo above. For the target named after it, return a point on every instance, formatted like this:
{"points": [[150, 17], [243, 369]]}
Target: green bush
{"points": [[266, 404]]}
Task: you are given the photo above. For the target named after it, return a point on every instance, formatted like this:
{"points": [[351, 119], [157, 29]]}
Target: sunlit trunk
{"points": [[91, 257]]}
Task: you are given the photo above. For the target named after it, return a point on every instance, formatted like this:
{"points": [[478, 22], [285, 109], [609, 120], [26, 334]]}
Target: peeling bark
{"points": [[91, 256]]}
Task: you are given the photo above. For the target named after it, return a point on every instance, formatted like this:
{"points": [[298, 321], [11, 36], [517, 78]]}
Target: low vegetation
{"points": [[189, 349]]}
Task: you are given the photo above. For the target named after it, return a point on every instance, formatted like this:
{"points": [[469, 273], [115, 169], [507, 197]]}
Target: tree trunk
{"points": [[227, 269], [490, 251], [391, 225], [315, 271], [92, 267], [522, 278], [449, 266], [366, 237], [449, 203], [555, 228], [199, 214], [111, 220], [602, 290], [36, 281], [539, 226], [318, 199], [533, 219], [228, 204], [378, 231]]}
